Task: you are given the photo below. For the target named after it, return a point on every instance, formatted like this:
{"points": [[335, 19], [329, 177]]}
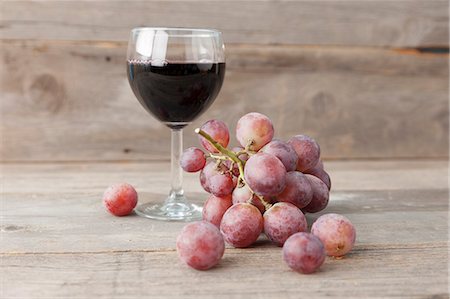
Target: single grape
{"points": [[304, 252], [193, 159], [265, 174], [283, 151], [320, 173], [298, 190], [283, 220], [215, 207], [336, 232], [243, 194], [218, 130], [120, 199], [254, 129], [216, 179], [221, 184], [200, 245], [208, 171], [307, 149], [241, 225], [320, 196]]}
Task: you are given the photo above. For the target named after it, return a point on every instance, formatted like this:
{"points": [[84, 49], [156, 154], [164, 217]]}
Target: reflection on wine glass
{"points": [[176, 74]]}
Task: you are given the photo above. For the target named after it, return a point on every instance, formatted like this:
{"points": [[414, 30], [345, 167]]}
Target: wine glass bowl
{"points": [[176, 74]]}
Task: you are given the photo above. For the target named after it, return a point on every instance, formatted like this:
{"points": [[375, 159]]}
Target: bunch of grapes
{"points": [[263, 185]]}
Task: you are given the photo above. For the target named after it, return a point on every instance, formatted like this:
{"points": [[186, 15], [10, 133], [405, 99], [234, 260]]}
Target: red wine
{"points": [[176, 93]]}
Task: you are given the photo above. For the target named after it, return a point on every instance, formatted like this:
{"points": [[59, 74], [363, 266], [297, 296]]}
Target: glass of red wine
{"points": [[176, 74]]}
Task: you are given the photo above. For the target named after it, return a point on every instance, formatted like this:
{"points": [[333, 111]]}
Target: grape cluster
{"points": [[264, 185]]}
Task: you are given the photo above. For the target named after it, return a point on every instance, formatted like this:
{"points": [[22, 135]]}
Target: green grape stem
{"points": [[234, 158]]}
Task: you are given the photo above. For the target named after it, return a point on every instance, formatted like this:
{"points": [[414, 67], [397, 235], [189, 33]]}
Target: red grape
{"points": [[216, 180], [243, 194], [283, 220], [241, 225], [221, 184], [255, 129], [320, 173], [265, 174], [120, 199], [298, 190], [193, 159], [303, 252], [200, 245], [336, 232], [215, 207], [218, 130], [208, 171], [308, 151], [320, 196], [283, 151]]}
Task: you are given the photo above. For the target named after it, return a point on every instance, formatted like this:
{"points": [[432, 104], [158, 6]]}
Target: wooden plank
{"points": [[154, 177], [36, 223], [71, 101], [411, 23], [406, 272], [50, 208], [57, 240]]}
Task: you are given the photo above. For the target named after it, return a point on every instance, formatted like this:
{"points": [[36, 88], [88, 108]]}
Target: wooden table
{"points": [[58, 241]]}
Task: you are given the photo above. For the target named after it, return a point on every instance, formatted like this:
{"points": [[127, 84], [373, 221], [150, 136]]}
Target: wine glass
{"points": [[176, 74]]}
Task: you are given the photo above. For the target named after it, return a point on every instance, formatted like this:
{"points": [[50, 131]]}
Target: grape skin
{"points": [[304, 252], [256, 128], [192, 160], [319, 165], [283, 151], [320, 196], [308, 151], [221, 184], [215, 207], [215, 182], [218, 130], [336, 232], [208, 171], [283, 220], [265, 174], [298, 190], [320, 173], [241, 225], [243, 194], [200, 245], [120, 199]]}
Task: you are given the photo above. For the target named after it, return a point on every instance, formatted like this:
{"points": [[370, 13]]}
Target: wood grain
{"points": [[407, 272], [58, 242], [154, 177], [71, 101], [410, 23], [48, 207]]}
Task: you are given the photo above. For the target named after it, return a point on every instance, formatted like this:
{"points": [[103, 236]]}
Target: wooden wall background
{"points": [[367, 78]]}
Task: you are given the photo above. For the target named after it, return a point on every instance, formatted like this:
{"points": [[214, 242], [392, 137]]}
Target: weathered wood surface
{"points": [[72, 101], [57, 241], [401, 23]]}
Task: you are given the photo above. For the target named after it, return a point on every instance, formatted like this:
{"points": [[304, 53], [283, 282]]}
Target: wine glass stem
{"points": [[176, 171]]}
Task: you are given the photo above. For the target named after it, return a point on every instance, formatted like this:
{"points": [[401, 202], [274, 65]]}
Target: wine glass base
{"points": [[178, 211]]}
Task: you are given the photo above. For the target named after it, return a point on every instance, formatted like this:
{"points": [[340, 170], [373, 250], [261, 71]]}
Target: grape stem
{"points": [[224, 151], [217, 157], [234, 158]]}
